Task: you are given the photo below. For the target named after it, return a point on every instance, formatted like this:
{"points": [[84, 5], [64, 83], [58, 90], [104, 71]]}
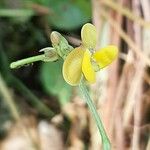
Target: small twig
{"points": [[126, 12], [73, 40]]}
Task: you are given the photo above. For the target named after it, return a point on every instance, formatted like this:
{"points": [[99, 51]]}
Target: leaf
{"points": [[53, 82], [67, 14]]}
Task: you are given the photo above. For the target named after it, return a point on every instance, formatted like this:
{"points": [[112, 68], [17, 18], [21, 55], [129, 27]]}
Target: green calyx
{"points": [[60, 44]]}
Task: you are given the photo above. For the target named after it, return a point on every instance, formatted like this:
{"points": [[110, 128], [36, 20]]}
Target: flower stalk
{"points": [[26, 61], [105, 140]]}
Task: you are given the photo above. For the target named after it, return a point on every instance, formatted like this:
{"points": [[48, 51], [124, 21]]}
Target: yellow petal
{"points": [[87, 68], [72, 67], [106, 55], [89, 35]]}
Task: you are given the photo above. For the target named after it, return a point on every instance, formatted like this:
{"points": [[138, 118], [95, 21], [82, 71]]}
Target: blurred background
{"points": [[39, 111]]}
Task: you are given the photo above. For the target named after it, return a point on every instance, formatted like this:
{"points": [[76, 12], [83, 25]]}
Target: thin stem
{"points": [[26, 61], [105, 140], [16, 12], [8, 99]]}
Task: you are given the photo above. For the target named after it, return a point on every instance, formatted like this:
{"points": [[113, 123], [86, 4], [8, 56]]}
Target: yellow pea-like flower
{"points": [[72, 67], [79, 61]]}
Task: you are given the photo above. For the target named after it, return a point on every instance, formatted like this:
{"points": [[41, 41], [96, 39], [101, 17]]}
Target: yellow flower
{"points": [[85, 60]]}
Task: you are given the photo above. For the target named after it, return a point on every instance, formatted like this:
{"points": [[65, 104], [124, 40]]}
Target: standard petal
{"points": [[72, 67], [106, 55], [89, 36], [87, 68]]}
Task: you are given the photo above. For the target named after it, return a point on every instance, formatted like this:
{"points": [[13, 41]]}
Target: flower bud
{"points": [[55, 37]]}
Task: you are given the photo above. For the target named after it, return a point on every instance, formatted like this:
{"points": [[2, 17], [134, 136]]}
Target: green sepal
{"points": [[50, 54], [60, 44]]}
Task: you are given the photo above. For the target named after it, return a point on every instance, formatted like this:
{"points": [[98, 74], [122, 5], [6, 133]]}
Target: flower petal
{"points": [[89, 36], [72, 67], [87, 67], [106, 55]]}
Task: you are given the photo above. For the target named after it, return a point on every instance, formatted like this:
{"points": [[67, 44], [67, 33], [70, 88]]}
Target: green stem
{"points": [[8, 99], [26, 61], [16, 12], [105, 140]]}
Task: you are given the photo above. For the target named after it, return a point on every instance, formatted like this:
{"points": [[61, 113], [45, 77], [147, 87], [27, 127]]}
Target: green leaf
{"points": [[67, 14], [63, 14], [53, 82]]}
